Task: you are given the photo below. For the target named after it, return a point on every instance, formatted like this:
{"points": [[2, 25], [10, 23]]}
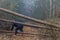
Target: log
{"points": [[6, 31], [28, 24], [29, 18], [25, 24]]}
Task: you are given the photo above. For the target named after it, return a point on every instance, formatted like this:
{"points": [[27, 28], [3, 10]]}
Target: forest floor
{"points": [[55, 21]]}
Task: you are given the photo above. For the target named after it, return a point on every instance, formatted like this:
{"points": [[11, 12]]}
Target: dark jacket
{"points": [[17, 26]]}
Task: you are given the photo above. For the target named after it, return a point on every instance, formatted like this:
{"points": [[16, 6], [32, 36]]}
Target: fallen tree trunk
{"points": [[29, 18], [25, 24]]}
